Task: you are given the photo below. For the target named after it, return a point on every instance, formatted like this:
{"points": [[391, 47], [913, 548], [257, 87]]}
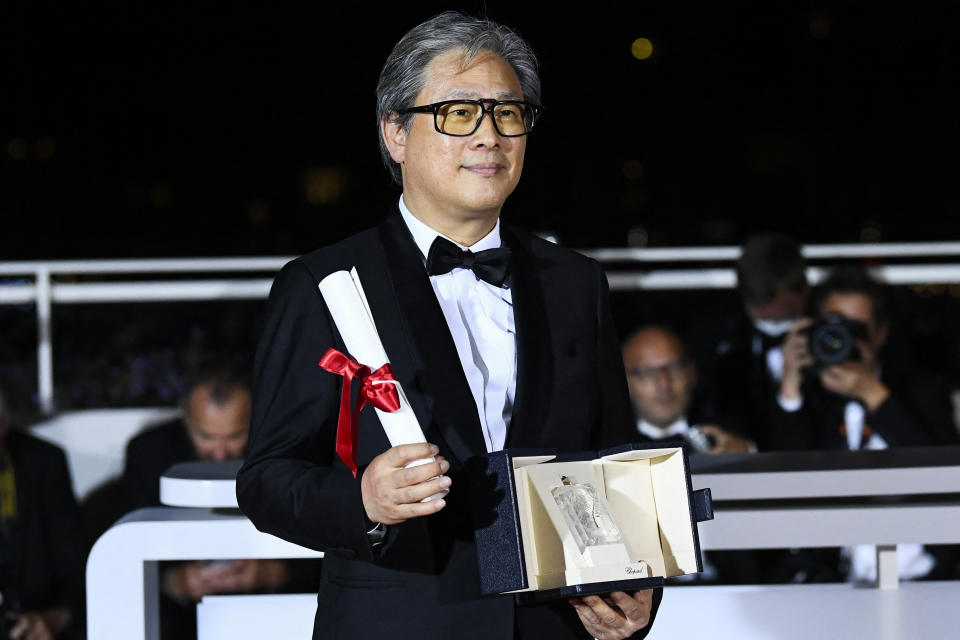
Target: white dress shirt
{"points": [[480, 318], [680, 428]]}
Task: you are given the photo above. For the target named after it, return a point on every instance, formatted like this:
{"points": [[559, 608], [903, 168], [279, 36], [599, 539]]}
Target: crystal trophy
{"points": [[586, 514]]}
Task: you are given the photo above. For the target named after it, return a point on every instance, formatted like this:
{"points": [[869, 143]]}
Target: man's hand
{"points": [[245, 575], [857, 378], [188, 582], [39, 625], [392, 494], [796, 356], [194, 580], [726, 442], [606, 622]]}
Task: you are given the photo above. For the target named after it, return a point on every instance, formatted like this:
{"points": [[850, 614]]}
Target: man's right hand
{"points": [[796, 356], [392, 493]]}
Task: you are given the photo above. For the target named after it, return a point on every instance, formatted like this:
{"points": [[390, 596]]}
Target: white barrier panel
{"points": [[256, 617], [810, 611], [95, 441], [122, 590]]}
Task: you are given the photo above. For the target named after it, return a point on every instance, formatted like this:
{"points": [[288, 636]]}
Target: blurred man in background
{"points": [[215, 425], [662, 380], [745, 365], [41, 542]]}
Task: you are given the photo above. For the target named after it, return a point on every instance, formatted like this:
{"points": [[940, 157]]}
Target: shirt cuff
{"points": [[790, 405]]}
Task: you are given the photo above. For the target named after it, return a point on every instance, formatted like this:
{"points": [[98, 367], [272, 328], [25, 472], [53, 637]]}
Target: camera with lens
{"points": [[700, 441], [833, 339]]}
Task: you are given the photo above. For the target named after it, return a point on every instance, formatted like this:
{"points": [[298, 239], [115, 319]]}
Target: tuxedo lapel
{"points": [[417, 328], [534, 355]]}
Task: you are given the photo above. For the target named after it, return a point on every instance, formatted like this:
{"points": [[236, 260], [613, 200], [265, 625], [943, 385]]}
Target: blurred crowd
{"points": [[45, 534], [802, 369], [799, 368]]}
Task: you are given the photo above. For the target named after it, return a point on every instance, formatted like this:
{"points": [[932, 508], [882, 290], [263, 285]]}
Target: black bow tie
{"points": [[490, 265], [769, 342]]}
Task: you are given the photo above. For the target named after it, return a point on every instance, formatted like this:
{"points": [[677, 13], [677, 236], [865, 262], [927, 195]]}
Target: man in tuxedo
{"points": [[215, 426], [499, 339], [744, 361], [662, 380], [41, 545], [874, 399]]}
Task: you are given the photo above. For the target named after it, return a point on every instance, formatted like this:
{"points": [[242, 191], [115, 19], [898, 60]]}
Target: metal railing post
{"points": [[44, 341]]}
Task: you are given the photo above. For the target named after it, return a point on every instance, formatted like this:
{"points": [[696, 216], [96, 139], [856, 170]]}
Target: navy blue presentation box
{"points": [[526, 547]]}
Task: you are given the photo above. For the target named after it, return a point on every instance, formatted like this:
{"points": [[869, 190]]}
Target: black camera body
{"points": [[833, 340]]}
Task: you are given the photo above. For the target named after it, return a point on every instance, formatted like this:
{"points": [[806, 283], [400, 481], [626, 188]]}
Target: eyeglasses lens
{"points": [[461, 118]]}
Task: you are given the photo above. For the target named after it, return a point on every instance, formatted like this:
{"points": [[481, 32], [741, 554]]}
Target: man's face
{"points": [[218, 431], [659, 377], [459, 179], [856, 306]]}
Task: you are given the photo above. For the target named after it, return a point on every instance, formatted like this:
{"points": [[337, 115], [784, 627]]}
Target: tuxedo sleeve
{"points": [[918, 415], [63, 527], [292, 484]]}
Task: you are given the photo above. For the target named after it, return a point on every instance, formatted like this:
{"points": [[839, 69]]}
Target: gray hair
{"points": [[402, 77]]}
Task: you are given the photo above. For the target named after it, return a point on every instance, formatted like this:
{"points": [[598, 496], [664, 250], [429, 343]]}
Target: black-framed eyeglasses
{"points": [[649, 375], [511, 118]]}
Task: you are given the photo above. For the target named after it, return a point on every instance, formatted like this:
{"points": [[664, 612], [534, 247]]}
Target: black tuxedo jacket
{"points": [[42, 550], [423, 580]]}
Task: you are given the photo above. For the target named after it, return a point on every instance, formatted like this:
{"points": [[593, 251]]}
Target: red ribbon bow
{"points": [[383, 396]]}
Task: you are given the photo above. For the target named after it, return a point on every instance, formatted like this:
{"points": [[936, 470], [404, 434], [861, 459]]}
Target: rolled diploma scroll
{"points": [[348, 305]]}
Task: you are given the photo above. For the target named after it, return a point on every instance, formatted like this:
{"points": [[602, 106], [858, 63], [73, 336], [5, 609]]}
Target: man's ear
{"points": [[395, 137]]}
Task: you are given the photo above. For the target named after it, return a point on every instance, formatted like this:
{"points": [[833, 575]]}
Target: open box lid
{"points": [[500, 547]]}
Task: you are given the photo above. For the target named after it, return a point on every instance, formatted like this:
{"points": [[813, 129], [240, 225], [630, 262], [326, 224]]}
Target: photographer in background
{"points": [[740, 354], [871, 399], [842, 389]]}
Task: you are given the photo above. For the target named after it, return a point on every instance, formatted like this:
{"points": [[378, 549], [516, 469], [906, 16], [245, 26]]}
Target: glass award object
{"points": [[586, 514]]}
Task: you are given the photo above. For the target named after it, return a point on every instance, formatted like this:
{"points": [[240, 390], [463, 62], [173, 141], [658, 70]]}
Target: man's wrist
{"points": [[790, 388], [874, 394]]}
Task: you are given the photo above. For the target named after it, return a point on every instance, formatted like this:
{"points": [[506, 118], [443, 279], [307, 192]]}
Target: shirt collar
{"points": [[424, 235], [678, 428]]}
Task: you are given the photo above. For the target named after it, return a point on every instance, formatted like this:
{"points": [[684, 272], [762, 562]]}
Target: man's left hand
{"points": [[246, 575], [31, 626], [605, 622], [726, 442]]}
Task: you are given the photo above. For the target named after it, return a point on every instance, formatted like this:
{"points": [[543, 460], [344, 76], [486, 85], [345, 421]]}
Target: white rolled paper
{"points": [[348, 305]]}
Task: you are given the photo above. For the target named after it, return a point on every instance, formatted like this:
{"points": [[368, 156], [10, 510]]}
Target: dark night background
{"points": [[149, 131], [156, 132]]}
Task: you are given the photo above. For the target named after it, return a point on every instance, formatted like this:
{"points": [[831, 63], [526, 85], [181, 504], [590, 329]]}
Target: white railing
{"points": [[42, 289]]}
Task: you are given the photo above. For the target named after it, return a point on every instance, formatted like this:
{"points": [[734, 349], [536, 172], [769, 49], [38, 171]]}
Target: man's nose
{"points": [[486, 135]]}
